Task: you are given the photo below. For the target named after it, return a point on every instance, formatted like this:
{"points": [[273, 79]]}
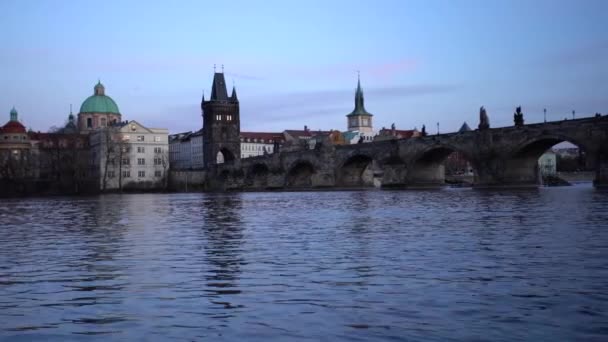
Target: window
{"points": [[110, 174], [140, 149], [125, 161], [103, 122], [157, 139], [365, 122], [140, 138], [228, 117], [218, 117], [126, 149], [126, 137], [157, 161], [141, 161], [111, 161], [158, 150], [89, 123], [158, 173], [126, 174], [141, 174]]}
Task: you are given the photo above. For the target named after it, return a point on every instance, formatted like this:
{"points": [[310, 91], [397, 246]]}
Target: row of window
{"points": [[140, 161], [256, 148], [220, 117], [15, 137], [140, 138], [140, 174]]}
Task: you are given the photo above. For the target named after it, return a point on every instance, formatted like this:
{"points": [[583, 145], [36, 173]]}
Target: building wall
{"points": [[547, 163], [97, 121], [196, 151], [140, 157], [253, 149]]}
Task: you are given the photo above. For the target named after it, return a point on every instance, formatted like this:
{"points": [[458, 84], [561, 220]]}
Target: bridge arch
{"points": [[533, 162], [299, 174], [224, 155], [439, 164], [356, 170]]}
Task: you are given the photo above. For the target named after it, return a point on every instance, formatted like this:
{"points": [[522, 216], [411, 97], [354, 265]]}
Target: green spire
{"points": [[359, 106], [71, 116], [14, 114]]}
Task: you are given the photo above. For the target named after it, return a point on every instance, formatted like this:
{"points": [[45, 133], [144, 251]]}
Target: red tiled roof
{"points": [[13, 127], [262, 136], [399, 133], [306, 133]]}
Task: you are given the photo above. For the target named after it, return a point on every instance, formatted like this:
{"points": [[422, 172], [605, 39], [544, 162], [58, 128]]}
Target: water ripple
{"points": [[447, 265]]}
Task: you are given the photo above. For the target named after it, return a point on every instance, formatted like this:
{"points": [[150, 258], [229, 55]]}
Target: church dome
{"points": [[13, 126], [99, 102]]}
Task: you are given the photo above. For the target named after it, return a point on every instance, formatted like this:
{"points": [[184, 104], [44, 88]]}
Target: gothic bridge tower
{"points": [[221, 124]]}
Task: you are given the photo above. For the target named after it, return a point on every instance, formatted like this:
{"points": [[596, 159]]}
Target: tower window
{"points": [[218, 117], [89, 123], [228, 117], [103, 122]]}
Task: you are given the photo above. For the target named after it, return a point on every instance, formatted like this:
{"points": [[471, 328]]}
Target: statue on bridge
{"points": [[423, 132], [484, 121], [518, 117]]}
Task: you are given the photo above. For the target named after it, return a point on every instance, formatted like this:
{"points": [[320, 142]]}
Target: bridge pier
{"points": [[427, 174], [601, 173]]}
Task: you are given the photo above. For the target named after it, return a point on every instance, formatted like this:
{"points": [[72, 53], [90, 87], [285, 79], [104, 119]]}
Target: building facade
{"points": [[221, 124], [128, 155], [15, 150], [255, 144]]}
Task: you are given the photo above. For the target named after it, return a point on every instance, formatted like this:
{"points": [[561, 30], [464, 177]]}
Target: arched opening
{"points": [[258, 176], [442, 165], [550, 161], [300, 175], [357, 171], [224, 156]]}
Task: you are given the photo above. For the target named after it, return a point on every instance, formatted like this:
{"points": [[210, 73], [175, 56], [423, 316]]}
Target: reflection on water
{"points": [[454, 264]]}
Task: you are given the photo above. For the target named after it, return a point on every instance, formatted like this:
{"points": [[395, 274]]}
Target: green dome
{"points": [[99, 102]]}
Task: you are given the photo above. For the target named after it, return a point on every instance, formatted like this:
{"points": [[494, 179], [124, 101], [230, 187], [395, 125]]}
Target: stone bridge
{"points": [[505, 156]]}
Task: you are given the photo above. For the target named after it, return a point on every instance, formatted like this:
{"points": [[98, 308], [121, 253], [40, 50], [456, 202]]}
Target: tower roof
{"points": [[218, 89], [233, 96], [464, 128], [359, 105]]}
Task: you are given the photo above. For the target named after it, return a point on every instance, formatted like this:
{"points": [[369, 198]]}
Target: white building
{"points": [[257, 144], [547, 163], [186, 150], [180, 151], [128, 155]]}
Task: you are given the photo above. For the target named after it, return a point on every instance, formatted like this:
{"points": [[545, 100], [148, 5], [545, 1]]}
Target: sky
{"points": [[295, 63]]}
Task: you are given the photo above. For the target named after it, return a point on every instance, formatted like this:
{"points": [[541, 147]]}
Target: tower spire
{"points": [[359, 102], [233, 96]]}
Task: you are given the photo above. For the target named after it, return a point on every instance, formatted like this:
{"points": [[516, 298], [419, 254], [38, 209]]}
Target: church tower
{"points": [[221, 124], [359, 119]]}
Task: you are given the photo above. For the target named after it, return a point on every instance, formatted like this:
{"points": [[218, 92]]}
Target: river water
{"points": [[443, 265]]}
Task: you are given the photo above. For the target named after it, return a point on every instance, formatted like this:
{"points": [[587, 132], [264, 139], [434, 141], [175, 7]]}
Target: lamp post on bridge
{"points": [[573, 112], [438, 128], [545, 114]]}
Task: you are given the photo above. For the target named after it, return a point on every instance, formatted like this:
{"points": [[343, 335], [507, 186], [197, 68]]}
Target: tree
{"points": [[161, 158]]}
